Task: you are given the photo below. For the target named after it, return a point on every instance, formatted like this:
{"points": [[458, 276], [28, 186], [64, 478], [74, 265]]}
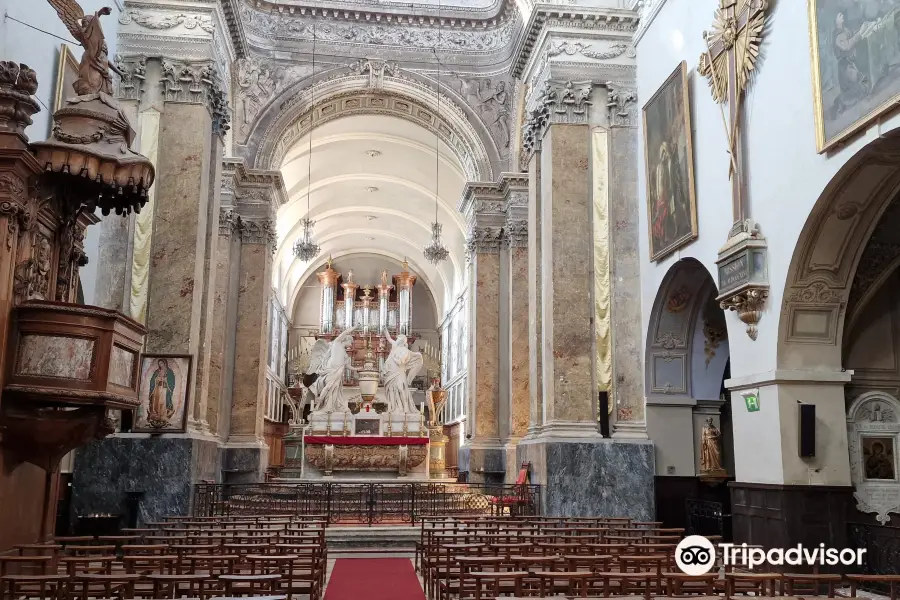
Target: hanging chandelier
{"points": [[436, 252], [306, 248]]}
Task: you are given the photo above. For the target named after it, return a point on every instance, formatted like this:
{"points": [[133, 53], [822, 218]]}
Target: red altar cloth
{"points": [[341, 440]]}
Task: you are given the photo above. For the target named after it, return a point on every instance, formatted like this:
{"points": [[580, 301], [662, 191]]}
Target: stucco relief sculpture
{"points": [[328, 361], [399, 370], [873, 434]]}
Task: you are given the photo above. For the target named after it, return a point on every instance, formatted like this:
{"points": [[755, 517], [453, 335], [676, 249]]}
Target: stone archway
{"points": [[829, 254], [354, 91], [687, 356]]}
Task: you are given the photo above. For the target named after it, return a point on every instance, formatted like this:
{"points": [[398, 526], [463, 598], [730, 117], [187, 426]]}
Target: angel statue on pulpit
{"points": [[328, 362], [399, 370]]}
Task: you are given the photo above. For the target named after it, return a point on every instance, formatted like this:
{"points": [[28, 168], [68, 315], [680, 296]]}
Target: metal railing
{"points": [[882, 545], [366, 503]]}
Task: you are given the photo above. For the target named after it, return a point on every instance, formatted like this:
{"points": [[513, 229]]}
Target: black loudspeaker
{"points": [[604, 414], [807, 430]]}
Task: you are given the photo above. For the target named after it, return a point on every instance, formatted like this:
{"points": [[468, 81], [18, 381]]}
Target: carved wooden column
{"points": [[483, 451]]}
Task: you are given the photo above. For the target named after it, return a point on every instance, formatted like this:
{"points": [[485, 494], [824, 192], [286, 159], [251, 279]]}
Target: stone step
{"points": [[341, 538]]}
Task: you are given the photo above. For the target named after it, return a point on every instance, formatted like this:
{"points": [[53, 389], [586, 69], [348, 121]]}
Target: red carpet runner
{"points": [[374, 579]]}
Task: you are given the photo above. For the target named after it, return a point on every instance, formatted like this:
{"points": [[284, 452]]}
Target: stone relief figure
{"points": [[258, 83], [710, 449], [399, 370], [328, 361], [93, 72]]}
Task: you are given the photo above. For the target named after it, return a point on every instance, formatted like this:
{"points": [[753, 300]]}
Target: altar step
{"points": [[385, 538]]}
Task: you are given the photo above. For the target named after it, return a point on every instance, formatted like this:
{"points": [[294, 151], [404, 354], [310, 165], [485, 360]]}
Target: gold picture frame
{"points": [[846, 96], [66, 74], [671, 220]]}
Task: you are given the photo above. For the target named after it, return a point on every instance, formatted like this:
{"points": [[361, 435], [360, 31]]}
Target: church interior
{"points": [[449, 299]]}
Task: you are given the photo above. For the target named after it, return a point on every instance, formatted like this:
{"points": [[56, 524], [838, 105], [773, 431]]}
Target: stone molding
{"points": [[497, 214], [483, 240], [158, 20], [559, 102], [257, 231], [591, 21], [257, 186], [228, 221]]}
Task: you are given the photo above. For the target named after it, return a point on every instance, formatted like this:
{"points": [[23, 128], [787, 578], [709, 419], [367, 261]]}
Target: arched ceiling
{"points": [[372, 191]]}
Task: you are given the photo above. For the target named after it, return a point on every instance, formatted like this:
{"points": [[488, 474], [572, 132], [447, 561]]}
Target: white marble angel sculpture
{"points": [[328, 361], [399, 370]]}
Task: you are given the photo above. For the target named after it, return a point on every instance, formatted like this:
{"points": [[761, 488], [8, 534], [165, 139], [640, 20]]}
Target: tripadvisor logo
{"points": [[696, 555]]}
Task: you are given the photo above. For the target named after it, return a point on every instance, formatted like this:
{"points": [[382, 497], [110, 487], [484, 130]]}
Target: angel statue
{"points": [[399, 370], [93, 72], [328, 361]]}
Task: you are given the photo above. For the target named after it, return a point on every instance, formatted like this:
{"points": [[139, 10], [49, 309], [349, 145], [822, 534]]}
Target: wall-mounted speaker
{"points": [[807, 430], [604, 414]]}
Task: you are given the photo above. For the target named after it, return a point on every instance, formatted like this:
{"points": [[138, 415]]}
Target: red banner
{"points": [[341, 440]]}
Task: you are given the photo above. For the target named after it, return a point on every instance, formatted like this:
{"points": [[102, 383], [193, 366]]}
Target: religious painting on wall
{"points": [[66, 74], [163, 393], [878, 458], [669, 162], [855, 64]]}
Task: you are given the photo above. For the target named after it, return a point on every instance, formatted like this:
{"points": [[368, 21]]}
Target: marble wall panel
{"points": [[520, 388], [535, 362], [220, 300], [55, 356], [625, 265], [109, 289], [486, 359], [249, 382], [179, 230], [159, 471], [570, 270]]}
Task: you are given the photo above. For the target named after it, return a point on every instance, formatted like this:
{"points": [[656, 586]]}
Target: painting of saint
{"points": [[856, 64], [878, 458], [669, 163], [163, 393]]}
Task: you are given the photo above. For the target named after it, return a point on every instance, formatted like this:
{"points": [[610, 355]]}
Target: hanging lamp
{"points": [[306, 248], [436, 252]]}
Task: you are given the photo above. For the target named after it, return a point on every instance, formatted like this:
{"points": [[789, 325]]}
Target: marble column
{"points": [[483, 455], [517, 344], [246, 453], [582, 472]]}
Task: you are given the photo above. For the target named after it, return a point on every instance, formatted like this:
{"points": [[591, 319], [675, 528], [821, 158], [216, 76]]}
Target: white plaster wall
{"points": [[40, 51], [670, 428], [786, 175]]}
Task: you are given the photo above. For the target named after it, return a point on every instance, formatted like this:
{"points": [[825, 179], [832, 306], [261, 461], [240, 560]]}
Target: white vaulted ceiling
{"points": [[372, 192]]}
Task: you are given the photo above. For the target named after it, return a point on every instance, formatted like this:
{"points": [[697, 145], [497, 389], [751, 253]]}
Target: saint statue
{"points": [[93, 72], [329, 361], [711, 450], [400, 368], [162, 386]]}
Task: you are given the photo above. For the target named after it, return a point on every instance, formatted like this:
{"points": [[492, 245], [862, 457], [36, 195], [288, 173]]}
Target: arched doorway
{"points": [[840, 327], [687, 358]]}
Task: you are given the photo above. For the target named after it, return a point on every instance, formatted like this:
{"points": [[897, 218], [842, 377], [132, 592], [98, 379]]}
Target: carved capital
{"points": [[258, 231], [133, 75], [228, 221], [197, 83], [559, 102], [483, 240], [621, 104], [515, 233], [749, 305]]}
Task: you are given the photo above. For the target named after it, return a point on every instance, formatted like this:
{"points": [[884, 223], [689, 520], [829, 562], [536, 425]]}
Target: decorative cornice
{"points": [[245, 183], [647, 11], [559, 102], [162, 20], [581, 18]]}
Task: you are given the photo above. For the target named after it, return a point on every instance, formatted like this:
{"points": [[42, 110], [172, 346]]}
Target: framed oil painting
{"points": [[879, 462], [855, 64], [66, 74], [669, 162], [165, 381]]}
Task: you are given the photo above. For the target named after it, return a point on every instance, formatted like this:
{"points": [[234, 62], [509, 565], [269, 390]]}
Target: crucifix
{"points": [[729, 61]]}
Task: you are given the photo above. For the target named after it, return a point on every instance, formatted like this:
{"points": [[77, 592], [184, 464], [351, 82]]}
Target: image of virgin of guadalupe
{"points": [[162, 386]]}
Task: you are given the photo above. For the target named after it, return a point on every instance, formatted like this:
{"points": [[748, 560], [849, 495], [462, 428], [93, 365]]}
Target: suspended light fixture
{"points": [[306, 248], [436, 252]]}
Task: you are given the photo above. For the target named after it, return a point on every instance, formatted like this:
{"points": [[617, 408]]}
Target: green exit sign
{"points": [[752, 401]]}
